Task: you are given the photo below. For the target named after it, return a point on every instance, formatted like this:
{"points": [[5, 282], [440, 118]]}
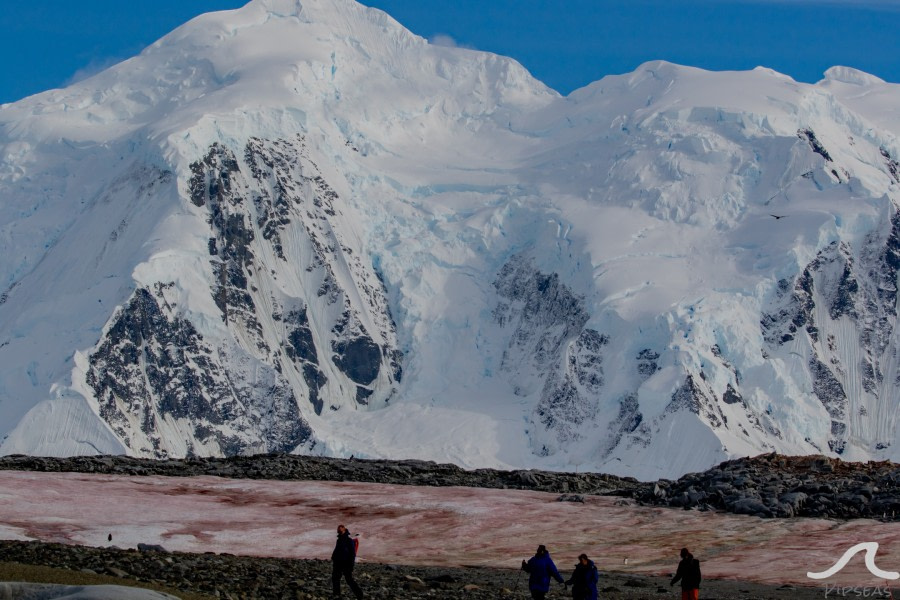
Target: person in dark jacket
{"points": [[343, 559], [689, 574], [540, 569], [584, 579]]}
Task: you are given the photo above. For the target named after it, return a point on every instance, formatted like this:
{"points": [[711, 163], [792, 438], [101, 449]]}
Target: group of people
{"points": [[584, 579], [540, 569]]}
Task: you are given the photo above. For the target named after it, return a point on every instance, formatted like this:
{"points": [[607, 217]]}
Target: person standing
{"points": [[540, 569], [689, 574], [584, 579], [343, 560]]}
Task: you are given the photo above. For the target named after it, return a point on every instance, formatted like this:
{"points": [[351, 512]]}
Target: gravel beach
{"points": [[196, 576]]}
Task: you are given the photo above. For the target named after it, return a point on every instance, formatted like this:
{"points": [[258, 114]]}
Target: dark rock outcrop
{"points": [[772, 485]]}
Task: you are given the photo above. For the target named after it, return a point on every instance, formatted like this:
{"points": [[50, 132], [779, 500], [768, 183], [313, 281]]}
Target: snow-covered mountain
{"points": [[299, 227]]}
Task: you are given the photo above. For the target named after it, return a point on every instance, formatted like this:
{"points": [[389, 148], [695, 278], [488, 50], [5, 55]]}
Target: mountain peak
{"points": [[309, 10], [851, 76], [297, 226], [302, 56]]}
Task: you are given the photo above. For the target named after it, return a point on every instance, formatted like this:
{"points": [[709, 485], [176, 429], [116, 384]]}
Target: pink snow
{"points": [[441, 526]]}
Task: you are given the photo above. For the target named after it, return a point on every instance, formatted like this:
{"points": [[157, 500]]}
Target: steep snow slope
{"points": [[299, 227]]}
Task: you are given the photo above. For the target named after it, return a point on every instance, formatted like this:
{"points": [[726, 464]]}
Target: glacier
{"points": [[299, 227]]}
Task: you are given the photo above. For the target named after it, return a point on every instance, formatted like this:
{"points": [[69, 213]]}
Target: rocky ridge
{"points": [[767, 486], [287, 467], [771, 485]]}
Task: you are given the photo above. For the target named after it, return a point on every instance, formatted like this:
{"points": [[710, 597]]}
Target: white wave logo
{"points": [[870, 549]]}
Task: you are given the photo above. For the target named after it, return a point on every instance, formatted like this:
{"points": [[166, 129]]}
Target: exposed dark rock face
{"points": [[814, 143], [697, 397], [552, 350], [153, 368], [569, 398], [300, 341], [359, 358], [646, 363], [549, 338], [233, 237], [628, 422], [543, 312], [285, 187], [323, 338], [842, 286], [211, 177], [892, 165], [732, 396], [302, 350], [839, 174], [586, 362], [831, 393], [794, 305], [881, 262]]}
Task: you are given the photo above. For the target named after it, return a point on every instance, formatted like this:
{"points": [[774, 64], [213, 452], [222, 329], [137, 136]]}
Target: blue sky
{"points": [[565, 43]]}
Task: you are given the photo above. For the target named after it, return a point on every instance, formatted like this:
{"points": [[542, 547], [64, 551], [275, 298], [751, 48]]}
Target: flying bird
{"points": [[778, 216]]}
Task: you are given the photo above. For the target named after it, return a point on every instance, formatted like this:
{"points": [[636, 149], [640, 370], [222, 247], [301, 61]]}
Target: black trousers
{"points": [[344, 570], [538, 595]]}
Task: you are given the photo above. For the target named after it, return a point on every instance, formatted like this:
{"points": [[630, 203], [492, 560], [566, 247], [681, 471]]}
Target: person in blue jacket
{"points": [[540, 569], [584, 579]]}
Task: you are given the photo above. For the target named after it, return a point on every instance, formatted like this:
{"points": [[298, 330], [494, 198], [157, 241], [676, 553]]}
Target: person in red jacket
{"points": [[689, 574], [343, 559]]}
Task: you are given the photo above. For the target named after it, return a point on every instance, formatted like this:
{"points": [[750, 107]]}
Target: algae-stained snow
{"points": [[438, 526], [299, 227]]}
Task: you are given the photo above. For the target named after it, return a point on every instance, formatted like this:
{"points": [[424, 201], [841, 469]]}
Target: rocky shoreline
{"points": [[767, 486], [244, 578]]}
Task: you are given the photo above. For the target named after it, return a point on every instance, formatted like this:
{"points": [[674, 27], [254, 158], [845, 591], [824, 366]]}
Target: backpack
{"points": [[695, 572]]}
